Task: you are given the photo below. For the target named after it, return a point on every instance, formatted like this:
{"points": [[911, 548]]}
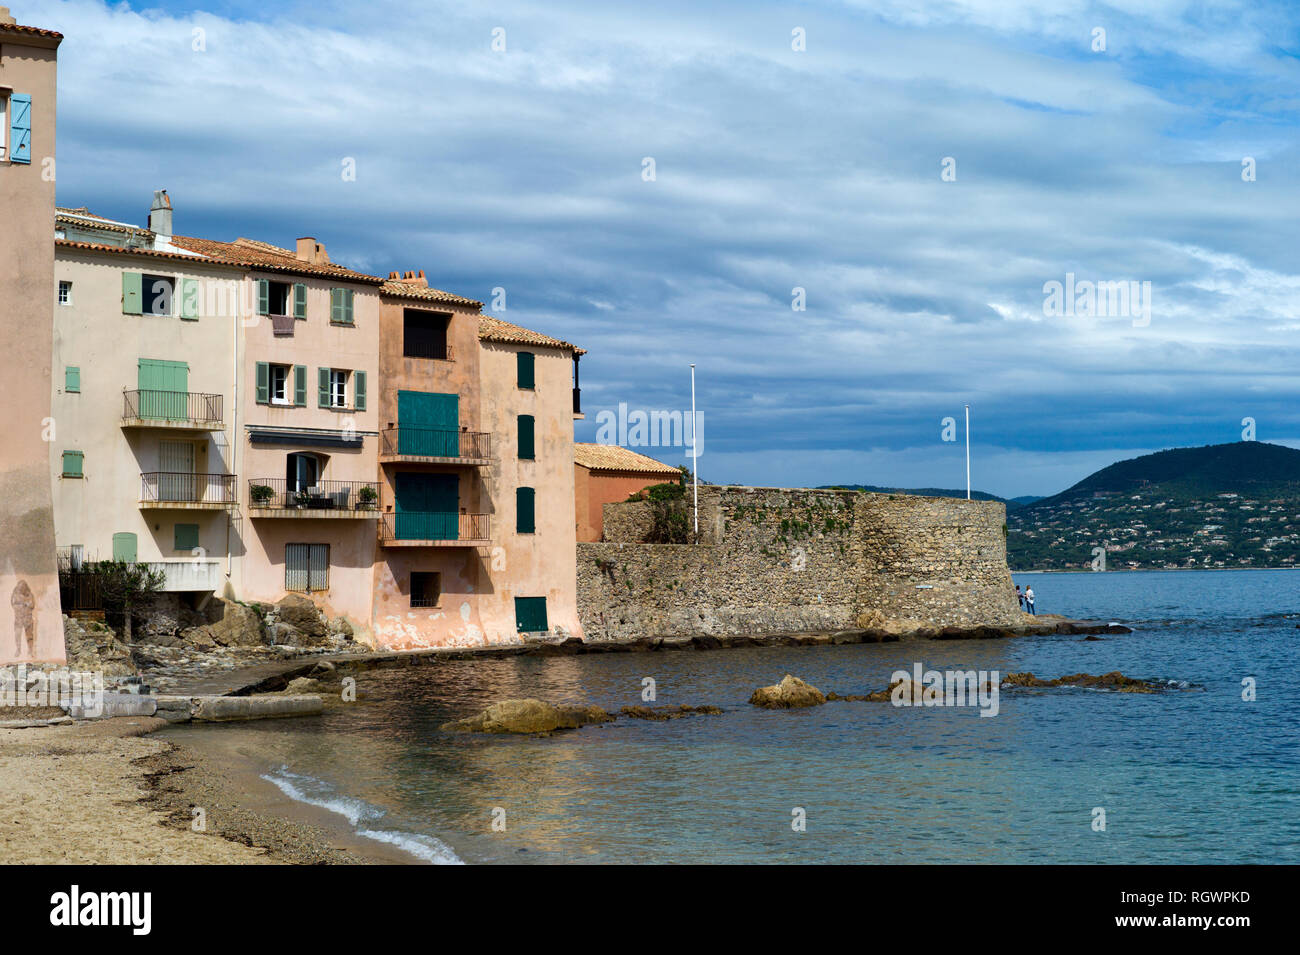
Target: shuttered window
{"points": [[525, 510], [72, 379], [20, 127], [526, 451], [341, 306], [185, 536], [73, 464], [525, 362], [124, 547], [306, 567], [530, 615], [299, 300]]}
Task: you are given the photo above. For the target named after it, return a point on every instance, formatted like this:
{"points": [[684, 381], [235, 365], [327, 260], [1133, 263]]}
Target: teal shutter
{"points": [[323, 387], [300, 385], [530, 615], [20, 127], [348, 296], [132, 294], [336, 305], [428, 424], [74, 464], [185, 536], [525, 369], [263, 297], [299, 300], [359, 390], [124, 547], [526, 450], [164, 389], [72, 379], [525, 510], [190, 299], [263, 383], [427, 506]]}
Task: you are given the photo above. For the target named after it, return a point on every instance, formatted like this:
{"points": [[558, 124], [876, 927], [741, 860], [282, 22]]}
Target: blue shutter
{"points": [[20, 128]]}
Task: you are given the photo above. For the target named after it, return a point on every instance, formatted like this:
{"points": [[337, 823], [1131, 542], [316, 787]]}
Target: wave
{"points": [[318, 793]]}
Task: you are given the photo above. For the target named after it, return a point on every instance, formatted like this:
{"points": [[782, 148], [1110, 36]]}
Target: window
{"points": [[302, 471], [341, 306], [72, 379], [424, 334], [65, 293], [307, 567], [525, 367], [272, 384], [426, 588], [280, 385], [526, 451], [74, 464], [338, 388], [185, 536], [525, 510], [277, 298], [157, 292]]}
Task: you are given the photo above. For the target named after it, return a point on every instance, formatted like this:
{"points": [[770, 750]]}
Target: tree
{"points": [[123, 585]]}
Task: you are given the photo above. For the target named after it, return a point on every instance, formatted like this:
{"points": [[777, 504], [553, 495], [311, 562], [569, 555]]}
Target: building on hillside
{"points": [[28, 578], [608, 474], [475, 536]]}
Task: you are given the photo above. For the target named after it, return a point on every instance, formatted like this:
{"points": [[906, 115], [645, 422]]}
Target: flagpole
{"points": [[695, 458], [968, 452]]}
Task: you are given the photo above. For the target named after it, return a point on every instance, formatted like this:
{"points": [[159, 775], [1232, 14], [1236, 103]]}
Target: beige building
{"points": [[33, 627]]}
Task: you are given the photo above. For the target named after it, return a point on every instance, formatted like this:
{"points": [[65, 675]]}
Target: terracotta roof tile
{"points": [[29, 31], [492, 329], [418, 292], [266, 257], [612, 457], [123, 250]]}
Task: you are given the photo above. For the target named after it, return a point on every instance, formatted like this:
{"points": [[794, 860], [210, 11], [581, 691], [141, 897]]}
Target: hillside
{"points": [[1224, 505], [1011, 503]]}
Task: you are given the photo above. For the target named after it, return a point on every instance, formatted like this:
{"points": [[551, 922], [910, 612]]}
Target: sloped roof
{"points": [[492, 329], [263, 256], [82, 216], [421, 293], [612, 457], [29, 31]]}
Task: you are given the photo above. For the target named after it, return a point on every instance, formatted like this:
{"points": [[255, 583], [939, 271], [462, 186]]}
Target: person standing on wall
{"points": [[1029, 599]]}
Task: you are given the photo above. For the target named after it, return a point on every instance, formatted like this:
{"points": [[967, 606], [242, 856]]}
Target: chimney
{"points": [[311, 251], [160, 213], [5, 18], [410, 278]]}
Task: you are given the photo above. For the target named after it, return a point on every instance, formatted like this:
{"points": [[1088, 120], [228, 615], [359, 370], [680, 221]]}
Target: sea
{"points": [[1204, 771]]}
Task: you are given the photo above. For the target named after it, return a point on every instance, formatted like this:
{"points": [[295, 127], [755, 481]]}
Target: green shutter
{"points": [[72, 379], [190, 299], [348, 296], [525, 510], [73, 464], [336, 305], [263, 383], [525, 369], [132, 293], [323, 389], [263, 297], [526, 452], [359, 390], [124, 547], [300, 385], [428, 424], [299, 300], [530, 615], [185, 536]]}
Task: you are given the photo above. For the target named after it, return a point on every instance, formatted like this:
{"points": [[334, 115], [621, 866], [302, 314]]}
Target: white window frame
{"points": [[282, 372], [338, 388], [65, 292]]}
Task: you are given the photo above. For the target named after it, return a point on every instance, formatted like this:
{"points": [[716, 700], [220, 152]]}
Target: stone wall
{"points": [[773, 559]]}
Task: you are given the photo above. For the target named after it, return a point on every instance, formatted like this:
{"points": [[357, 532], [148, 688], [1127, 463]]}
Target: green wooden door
{"points": [[164, 389], [530, 615], [428, 424], [427, 506]]}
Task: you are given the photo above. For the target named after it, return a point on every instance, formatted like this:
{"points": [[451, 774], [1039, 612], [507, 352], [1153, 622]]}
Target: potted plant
{"points": [[301, 498], [367, 498], [261, 494]]}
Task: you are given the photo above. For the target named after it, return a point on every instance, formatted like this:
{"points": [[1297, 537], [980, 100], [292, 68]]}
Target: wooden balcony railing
{"points": [[176, 407], [431, 443], [179, 487], [321, 496], [435, 526]]}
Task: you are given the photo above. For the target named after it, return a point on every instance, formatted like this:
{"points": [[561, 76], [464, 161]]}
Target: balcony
{"points": [[329, 500], [182, 491], [171, 410], [195, 575], [281, 325], [425, 446], [435, 529]]}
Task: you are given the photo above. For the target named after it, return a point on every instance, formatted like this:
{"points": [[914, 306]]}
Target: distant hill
{"points": [[924, 492], [1223, 505]]}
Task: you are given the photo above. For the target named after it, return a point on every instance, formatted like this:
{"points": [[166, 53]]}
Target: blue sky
{"points": [[775, 169]]}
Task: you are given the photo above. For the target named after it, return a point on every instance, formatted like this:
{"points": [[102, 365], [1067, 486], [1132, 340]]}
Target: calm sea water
{"points": [[1187, 776]]}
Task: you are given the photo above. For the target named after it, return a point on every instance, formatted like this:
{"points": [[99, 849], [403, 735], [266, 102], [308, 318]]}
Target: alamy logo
{"points": [[61, 687], [950, 688], [1087, 299], [640, 428], [72, 908]]}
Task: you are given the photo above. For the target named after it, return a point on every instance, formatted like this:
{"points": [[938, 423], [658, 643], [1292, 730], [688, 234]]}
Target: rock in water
{"points": [[790, 693], [528, 716]]}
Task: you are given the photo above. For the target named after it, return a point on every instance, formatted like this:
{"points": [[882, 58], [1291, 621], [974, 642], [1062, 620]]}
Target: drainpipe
{"points": [[234, 424]]}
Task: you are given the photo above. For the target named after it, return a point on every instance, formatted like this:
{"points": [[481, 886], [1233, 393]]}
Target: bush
{"points": [[123, 586]]}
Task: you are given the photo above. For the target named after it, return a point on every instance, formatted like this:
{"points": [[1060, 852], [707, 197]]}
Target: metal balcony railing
{"points": [[179, 487], [321, 496], [172, 406], [436, 526], [431, 443]]}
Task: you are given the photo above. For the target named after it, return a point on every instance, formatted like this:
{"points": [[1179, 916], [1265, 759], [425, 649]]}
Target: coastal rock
{"points": [[894, 626], [790, 693], [528, 716], [667, 712], [1106, 681], [92, 646], [306, 618], [303, 684], [233, 624], [200, 638]]}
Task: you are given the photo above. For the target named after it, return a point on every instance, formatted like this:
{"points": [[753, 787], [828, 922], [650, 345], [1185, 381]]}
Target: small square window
{"points": [[185, 536], [426, 588], [159, 292], [65, 293], [74, 464]]}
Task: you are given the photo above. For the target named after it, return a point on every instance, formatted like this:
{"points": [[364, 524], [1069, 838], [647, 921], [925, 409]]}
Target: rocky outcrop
{"points": [[93, 647], [1106, 681], [528, 716], [667, 712], [234, 624], [790, 693], [299, 622]]}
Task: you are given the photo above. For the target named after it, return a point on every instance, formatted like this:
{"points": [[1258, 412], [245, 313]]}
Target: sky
{"points": [[657, 183]]}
